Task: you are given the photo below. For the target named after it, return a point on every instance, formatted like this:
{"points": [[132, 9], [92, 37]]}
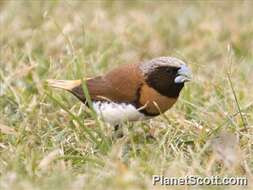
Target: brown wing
{"points": [[125, 82], [119, 85]]}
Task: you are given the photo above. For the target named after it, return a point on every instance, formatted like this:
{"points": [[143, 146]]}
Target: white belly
{"points": [[114, 113]]}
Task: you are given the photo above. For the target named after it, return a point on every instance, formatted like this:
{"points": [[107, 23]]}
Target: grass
{"points": [[48, 141]]}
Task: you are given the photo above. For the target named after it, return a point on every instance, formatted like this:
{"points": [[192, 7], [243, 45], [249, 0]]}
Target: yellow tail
{"points": [[64, 84]]}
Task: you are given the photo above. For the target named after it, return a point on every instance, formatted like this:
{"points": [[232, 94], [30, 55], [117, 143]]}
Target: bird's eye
{"points": [[175, 69]]}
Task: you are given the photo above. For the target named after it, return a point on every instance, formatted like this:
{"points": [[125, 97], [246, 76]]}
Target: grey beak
{"points": [[184, 74]]}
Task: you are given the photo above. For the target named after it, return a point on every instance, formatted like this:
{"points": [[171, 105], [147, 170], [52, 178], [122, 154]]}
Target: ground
{"points": [[48, 141]]}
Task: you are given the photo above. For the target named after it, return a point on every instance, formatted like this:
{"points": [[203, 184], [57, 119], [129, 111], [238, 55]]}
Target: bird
{"points": [[132, 92]]}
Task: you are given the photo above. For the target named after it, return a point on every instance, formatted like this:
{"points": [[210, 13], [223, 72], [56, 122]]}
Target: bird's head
{"points": [[167, 75]]}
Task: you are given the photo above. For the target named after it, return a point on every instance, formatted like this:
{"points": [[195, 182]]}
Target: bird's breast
{"points": [[154, 103]]}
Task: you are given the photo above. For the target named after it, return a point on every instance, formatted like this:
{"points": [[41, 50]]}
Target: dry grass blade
{"points": [[48, 159], [230, 62], [236, 100], [7, 130]]}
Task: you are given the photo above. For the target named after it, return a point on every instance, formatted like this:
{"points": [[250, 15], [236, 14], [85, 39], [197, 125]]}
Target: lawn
{"points": [[49, 140]]}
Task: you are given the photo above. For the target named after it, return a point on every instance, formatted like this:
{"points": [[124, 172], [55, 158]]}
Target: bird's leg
{"points": [[118, 131]]}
